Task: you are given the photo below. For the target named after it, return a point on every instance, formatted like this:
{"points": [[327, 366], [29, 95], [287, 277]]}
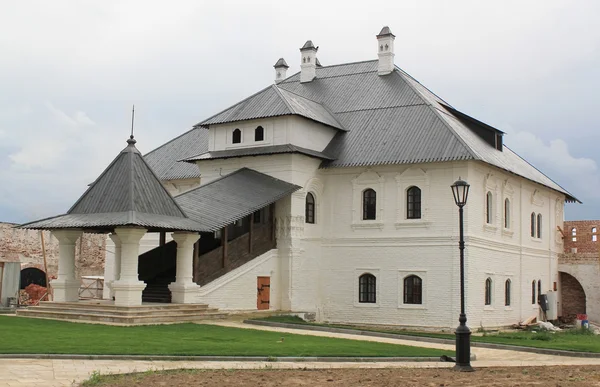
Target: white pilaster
{"points": [[184, 290], [128, 289], [66, 286], [116, 266]]}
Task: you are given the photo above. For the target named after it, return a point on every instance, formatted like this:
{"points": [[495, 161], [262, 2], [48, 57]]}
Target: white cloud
{"points": [[579, 175]]}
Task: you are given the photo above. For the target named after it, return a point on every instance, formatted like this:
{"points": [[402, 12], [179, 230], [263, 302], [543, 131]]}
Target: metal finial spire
{"points": [[131, 141]]}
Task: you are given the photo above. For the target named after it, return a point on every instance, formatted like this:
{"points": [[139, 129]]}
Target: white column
{"points": [[184, 290], [116, 265], [128, 289], [66, 286]]}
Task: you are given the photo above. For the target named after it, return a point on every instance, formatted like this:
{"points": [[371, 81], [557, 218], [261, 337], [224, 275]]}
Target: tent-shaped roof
{"points": [[127, 193]]}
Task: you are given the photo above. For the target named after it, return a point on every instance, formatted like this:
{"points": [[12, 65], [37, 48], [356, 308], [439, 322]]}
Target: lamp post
{"points": [[460, 191]]}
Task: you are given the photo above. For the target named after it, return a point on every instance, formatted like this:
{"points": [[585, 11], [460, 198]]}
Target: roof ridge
{"points": [[322, 104], [162, 186], [534, 167], [425, 87], [437, 114], [94, 182], [381, 108], [235, 104], [285, 101]]}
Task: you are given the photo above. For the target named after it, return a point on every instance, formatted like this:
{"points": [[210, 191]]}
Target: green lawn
{"points": [[568, 340], [34, 336]]}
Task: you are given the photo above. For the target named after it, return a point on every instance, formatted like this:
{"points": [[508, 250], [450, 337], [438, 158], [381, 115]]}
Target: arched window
{"points": [[309, 215], [367, 288], [574, 234], [369, 204], [539, 225], [259, 134], [533, 292], [413, 290], [507, 293], [488, 207], [533, 224], [413, 203], [236, 137], [594, 236], [488, 291], [506, 213], [539, 289]]}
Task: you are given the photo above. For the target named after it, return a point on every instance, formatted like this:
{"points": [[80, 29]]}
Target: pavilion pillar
{"points": [[116, 264], [128, 288], [184, 290], [66, 286]]}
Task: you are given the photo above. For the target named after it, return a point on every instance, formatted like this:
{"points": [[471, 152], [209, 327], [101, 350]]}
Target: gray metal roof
{"points": [[127, 193], [309, 46], [389, 119], [163, 160], [272, 102], [385, 31], [258, 151], [281, 63], [232, 197]]}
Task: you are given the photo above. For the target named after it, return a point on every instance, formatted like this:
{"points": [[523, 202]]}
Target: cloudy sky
{"points": [[70, 71]]}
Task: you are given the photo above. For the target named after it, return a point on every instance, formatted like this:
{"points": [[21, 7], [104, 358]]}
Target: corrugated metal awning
{"points": [[232, 197]]}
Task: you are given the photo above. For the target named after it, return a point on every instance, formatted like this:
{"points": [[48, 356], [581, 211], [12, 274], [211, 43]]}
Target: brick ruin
{"points": [[19, 245]]}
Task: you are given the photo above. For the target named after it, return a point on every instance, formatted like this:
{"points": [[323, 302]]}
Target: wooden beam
{"points": [[250, 232], [224, 245], [195, 261], [272, 220], [162, 238]]}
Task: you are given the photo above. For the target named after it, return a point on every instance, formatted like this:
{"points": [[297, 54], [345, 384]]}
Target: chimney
{"points": [[385, 51], [280, 70], [308, 63]]}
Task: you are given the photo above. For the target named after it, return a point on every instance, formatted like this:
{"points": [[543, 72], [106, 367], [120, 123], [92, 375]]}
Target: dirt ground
{"points": [[509, 376]]}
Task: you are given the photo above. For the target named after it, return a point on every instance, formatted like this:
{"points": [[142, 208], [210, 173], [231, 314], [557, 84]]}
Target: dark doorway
{"points": [[31, 275], [573, 296]]}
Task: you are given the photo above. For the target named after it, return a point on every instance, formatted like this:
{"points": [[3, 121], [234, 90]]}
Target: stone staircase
{"points": [[107, 313]]}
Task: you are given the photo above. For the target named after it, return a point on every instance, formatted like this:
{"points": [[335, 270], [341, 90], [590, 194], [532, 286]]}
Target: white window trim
{"points": [[357, 273], [412, 177], [368, 179], [489, 185], [402, 274]]}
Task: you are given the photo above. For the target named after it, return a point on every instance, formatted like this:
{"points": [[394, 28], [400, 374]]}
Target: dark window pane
{"points": [[259, 134], [367, 288], [369, 204], [309, 216], [237, 136], [413, 290], [413, 203]]}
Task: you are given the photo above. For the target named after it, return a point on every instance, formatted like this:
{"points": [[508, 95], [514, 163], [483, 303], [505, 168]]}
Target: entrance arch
{"points": [[32, 275], [573, 295]]}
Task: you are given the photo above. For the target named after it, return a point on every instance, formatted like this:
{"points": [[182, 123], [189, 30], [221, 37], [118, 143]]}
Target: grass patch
{"points": [[579, 340], [34, 336]]}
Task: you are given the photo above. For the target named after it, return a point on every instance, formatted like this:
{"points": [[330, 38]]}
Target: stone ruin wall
{"points": [[19, 245]]}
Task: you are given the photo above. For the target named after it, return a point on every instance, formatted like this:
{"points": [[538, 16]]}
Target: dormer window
{"points": [[259, 134], [236, 137]]}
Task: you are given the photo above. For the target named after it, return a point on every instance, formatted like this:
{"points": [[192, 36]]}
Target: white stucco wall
{"points": [[283, 130]]}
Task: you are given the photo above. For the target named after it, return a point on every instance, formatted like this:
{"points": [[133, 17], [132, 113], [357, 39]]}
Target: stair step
{"points": [[110, 318], [91, 311], [106, 305]]}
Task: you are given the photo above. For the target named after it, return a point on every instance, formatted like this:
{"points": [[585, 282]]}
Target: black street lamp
{"points": [[460, 190]]}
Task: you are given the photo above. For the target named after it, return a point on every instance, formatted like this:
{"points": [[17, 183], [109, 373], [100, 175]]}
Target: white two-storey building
{"points": [[370, 232]]}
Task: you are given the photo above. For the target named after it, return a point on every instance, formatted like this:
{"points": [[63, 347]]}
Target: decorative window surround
{"points": [[489, 185], [367, 179], [412, 177], [402, 274], [357, 273]]}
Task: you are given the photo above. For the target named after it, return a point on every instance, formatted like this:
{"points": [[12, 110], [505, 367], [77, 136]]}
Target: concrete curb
{"points": [[541, 351], [332, 359]]}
